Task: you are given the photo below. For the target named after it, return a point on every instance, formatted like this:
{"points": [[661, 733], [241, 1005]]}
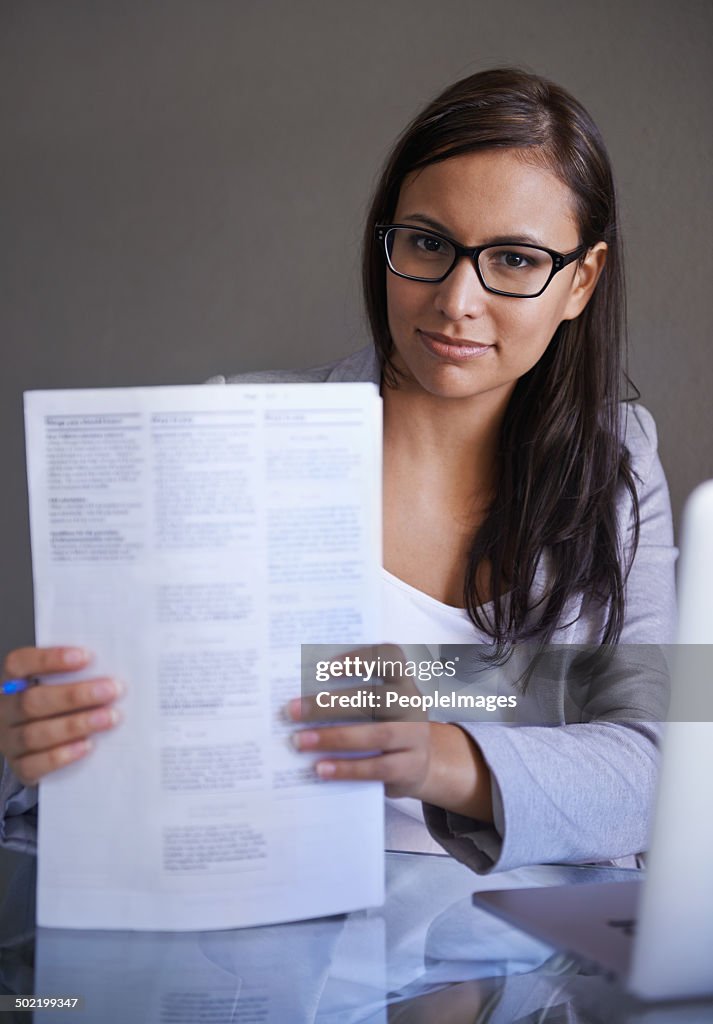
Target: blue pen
{"points": [[16, 685]]}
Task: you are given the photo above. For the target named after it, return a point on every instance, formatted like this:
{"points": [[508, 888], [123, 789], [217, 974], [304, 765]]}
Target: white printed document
{"points": [[194, 538]]}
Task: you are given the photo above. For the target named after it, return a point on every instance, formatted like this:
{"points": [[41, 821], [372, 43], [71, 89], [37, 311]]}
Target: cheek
{"points": [[532, 325], [520, 331], [403, 299]]}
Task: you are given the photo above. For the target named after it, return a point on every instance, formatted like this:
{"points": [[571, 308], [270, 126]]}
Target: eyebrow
{"points": [[521, 237]]}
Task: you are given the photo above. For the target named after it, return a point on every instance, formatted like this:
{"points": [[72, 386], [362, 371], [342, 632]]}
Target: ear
{"points": [[585, 280]]}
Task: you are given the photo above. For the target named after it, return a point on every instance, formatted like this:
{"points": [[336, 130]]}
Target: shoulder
{"points": [[639, 436], [360, 366], [640, 439], [638, 429]]}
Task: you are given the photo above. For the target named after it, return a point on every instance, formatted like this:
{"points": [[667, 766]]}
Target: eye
{"points": [[514, 260], [428, 243]]}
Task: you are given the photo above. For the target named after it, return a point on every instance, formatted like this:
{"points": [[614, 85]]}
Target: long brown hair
{"points": [[562, 461]]}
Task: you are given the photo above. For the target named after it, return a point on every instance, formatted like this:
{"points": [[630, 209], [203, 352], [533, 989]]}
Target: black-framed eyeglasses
{"points": [[519, 271]]}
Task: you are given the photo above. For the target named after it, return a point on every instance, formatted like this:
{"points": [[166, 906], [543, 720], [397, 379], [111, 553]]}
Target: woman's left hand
{"points": [[399, 754], [435, 762]]}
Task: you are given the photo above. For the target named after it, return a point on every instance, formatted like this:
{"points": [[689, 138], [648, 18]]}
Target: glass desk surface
{"points": [[427, 955]]}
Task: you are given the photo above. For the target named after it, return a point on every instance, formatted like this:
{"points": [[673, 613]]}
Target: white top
{"points": [[411, 617]]}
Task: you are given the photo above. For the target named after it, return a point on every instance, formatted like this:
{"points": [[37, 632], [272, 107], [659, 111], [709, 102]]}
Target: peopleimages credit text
{"points": [[425, 701]]}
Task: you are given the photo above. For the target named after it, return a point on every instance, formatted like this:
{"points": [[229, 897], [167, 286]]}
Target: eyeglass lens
{"points": [[518, 269]]}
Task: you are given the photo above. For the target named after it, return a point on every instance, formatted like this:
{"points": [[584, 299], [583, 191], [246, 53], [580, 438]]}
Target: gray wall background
{"points": [[183, 184]]}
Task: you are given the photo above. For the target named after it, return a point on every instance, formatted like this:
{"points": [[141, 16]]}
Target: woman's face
{"points": [[455, 339]]}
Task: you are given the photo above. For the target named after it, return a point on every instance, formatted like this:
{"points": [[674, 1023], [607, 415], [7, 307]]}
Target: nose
{"points": [[461, 294]]}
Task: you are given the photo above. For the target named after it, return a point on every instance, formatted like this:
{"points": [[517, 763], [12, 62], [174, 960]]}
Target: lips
{"points": [[443, 346]]}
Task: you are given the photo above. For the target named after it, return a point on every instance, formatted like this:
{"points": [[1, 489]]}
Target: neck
{"points": [[457, 438]]}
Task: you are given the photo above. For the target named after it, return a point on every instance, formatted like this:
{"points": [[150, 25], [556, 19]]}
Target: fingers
{"points": [[391, 769], [45, 727], [396, 699], [395, 753], [351, 704], [390, 702], [32, 767], [40, 661], [375, 736], [59, 699], [379, 661], [41, 742], [43, 734]]}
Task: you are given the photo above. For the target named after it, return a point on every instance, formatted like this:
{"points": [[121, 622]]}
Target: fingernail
{"points": [[105, 689], [74, 656], [305, 739], [104, 718], [325, 769], [295, 709], [76, 750]]}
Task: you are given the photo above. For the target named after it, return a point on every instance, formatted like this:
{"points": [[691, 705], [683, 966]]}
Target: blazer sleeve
{"points": [[585, 791], [18, 824]]}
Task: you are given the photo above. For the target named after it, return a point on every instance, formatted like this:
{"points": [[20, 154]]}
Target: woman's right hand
{"points": [[44, 728]]}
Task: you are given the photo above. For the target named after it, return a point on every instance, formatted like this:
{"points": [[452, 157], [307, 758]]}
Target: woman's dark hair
{"points": [[562, 461]]}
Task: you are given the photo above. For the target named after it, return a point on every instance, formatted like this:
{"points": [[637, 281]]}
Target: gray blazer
{"points": [[582, 791]]}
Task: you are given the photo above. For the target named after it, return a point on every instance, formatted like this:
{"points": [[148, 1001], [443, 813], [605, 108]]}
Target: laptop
{"points": [[655, 935]]}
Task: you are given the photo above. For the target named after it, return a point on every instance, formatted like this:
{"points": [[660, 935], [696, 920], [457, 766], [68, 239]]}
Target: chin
{"points": [[448, 382]]}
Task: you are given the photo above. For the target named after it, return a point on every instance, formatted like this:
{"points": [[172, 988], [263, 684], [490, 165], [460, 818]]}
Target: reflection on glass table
{"points": [[427, 955]]}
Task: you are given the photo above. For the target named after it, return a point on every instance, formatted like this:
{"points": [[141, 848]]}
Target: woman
{"points": [[521, 500]]}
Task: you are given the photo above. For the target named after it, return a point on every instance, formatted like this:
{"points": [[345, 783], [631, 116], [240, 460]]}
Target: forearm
{"points": [[571, 794], [457, 779]]}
